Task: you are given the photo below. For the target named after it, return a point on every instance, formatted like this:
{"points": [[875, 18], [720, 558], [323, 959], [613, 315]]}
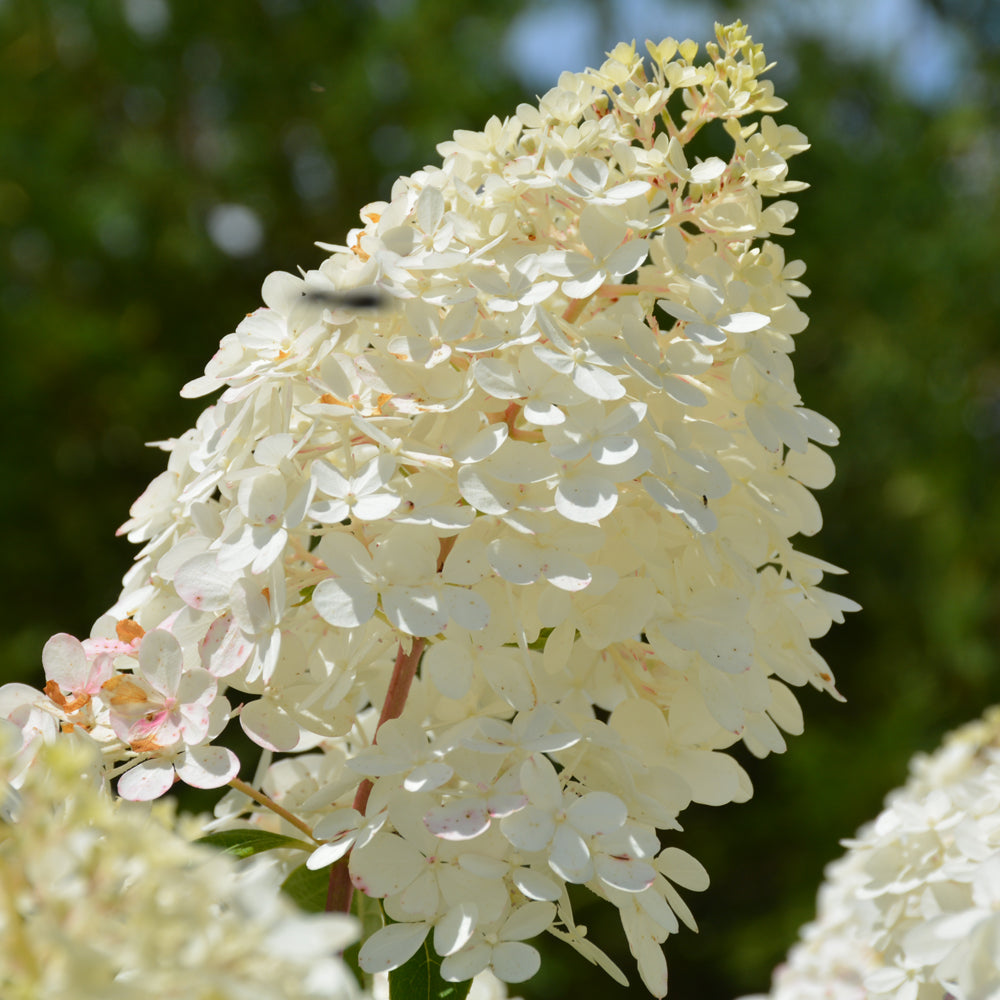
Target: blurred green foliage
{"points": [[122, 141]]}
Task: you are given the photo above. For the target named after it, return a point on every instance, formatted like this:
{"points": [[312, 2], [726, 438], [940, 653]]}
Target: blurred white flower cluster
{"points": [[524, 505], [105, 901], [912, 910]]}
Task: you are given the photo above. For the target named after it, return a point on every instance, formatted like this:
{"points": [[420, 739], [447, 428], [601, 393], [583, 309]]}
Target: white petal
{"points": [[597, 382], [511, 679], [528, 921], [680, 867], [570, 857], [484, 444], [600, 232], [387, 864], [515, 559], [329, 479], [392, 946], [597, 813], [455, 928], [705, 333], [415, 610], [615, 450], [626, 258], [337, 824], [161, 661], [499, 806], [500, 379], [652, 965], [270, 544], [485, 492], [522, 462], [541, 783], [585, 498], [468, 608], [225, 648], [483, 866], [466, 963], [458, 820], [427, 777], [208, 767], [744, 322], [530, 829], [330, 511], [145, 781], [721, 698], [566, 571], [65, 662], [346, 602], [629, 875], [658, 910], [449, 667], [269, 726], [543, 413], [421, 898], [430, 209], [263, 497], [515, 961], [585, 285], [536, 885], [327, 854], [708, 170], [375, 507]]}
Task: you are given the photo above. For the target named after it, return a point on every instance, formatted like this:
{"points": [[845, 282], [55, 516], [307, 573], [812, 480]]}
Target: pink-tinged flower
{"points": [[168, 712], [162, 704], [73, 677], [200, 767]]}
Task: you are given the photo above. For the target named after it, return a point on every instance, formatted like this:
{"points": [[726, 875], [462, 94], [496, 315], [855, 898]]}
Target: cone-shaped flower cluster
{"points": [[912, 910], [532, 512], [104, 901]]}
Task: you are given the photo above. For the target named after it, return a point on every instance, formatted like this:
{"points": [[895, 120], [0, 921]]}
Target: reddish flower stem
{"points": [[338, 895]]}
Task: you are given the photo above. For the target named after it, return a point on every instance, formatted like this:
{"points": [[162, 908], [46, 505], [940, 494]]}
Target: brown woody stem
{"points": [[338, 895]]}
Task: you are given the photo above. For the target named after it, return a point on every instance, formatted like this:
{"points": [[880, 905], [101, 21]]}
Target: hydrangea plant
{"points": [[912, 909], [487, 542], [108, 901]]}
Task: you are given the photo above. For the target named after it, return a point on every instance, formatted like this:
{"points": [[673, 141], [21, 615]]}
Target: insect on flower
{"points": [[364, 297]]}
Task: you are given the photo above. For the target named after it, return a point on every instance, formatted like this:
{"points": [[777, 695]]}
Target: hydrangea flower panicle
{"points": [[526, 500], [912, 909]]}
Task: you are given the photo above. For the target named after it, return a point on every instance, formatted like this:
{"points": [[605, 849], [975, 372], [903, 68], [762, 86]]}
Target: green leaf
{"points": [[244, 843], [420, 979], [308, 888]]}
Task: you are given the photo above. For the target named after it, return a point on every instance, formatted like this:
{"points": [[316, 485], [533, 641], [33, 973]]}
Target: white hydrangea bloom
{"points": [[102, 900], [537, 506], [912, 910]]}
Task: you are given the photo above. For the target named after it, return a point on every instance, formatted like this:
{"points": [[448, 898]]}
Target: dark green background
{"points": [[114, 149]]}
